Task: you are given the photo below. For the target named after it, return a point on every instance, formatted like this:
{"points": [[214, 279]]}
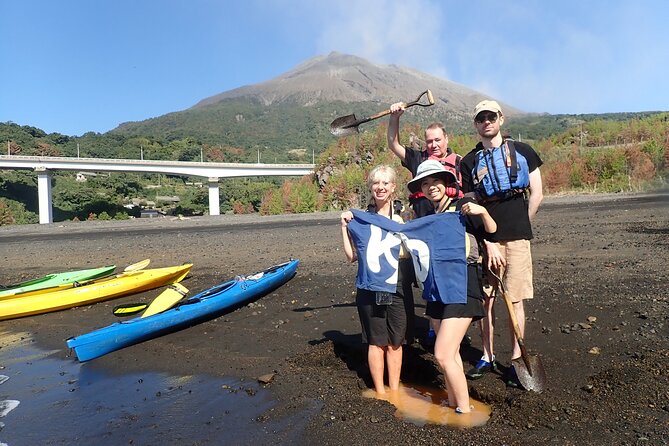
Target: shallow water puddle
{"points": [[422, 405], [65, 402]]}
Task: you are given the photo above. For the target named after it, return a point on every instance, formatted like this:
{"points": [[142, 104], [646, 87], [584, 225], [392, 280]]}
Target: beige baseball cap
{"points": [[487, 105]]}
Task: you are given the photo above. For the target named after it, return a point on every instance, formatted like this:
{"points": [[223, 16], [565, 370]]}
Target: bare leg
{"points": [[436, 324], [375, 358], [394, 359], [447, 354], [487, 325]]}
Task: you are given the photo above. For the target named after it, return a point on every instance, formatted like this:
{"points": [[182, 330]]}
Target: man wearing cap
{"points": [[508, 249]]}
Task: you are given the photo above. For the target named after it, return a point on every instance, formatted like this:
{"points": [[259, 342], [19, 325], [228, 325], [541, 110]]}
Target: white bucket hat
{"points": [[427, 169]]}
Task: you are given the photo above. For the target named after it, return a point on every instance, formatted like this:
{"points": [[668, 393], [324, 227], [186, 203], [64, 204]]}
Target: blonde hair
{"points": [[378, 170], [373, 176]]}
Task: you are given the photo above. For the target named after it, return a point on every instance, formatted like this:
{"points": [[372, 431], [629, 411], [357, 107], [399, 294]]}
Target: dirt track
{"points": [[600, 321]]}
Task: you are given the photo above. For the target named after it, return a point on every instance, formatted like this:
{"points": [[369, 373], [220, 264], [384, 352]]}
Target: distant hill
{"points": [[295, 109]]}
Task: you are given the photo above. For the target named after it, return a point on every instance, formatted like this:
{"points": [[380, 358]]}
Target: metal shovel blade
{"points": [[531, 375], [344, 126], [530, 370]]}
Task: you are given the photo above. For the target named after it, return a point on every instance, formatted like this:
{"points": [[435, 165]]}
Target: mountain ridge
{"points": [[295, 109], [349, 78]]}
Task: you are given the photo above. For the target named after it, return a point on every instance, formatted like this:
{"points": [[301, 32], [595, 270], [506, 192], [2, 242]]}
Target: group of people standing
{"points": [[497, 239]]}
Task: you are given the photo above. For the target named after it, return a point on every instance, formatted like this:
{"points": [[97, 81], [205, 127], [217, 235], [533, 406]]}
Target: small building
{"points": [[150, 213]]}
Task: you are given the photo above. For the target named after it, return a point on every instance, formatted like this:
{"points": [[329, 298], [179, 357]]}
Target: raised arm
{"points": [[396, 110]]}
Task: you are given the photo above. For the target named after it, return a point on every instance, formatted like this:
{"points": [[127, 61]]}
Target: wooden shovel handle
{"points": [[430, 100], [514, 320]]}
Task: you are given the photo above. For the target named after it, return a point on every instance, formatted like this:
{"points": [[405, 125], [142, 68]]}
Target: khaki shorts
{"points": [[517, 275]]}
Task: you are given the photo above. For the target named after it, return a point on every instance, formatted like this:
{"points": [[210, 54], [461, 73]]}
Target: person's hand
{"points": [[495, 258], [397, 109], [472, 209], [346, 217]]}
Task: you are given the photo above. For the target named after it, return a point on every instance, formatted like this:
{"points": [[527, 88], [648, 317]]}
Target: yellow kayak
{"points": [[67, 284], [102, 289]]}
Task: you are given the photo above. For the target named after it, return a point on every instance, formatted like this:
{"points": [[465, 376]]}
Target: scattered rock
{"points": [[266, 378], [7, 406], [250, 392]]}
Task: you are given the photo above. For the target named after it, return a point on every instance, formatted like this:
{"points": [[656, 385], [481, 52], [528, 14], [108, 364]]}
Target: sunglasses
{"points": [[486, 116]]}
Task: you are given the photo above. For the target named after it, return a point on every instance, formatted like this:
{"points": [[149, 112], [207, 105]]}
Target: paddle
{"points": [[348, 125], [128, 309], [165, 300], [128, 269], [137, 266]]}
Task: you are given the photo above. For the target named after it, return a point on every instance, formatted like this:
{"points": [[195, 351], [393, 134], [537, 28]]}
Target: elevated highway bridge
{"points": [[44, 166]]}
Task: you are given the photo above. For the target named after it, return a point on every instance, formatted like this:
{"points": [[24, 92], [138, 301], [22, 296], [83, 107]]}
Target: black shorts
{"points": [[474, 306], [382, 325]]}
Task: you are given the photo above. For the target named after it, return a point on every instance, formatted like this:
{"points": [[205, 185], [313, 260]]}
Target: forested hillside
{"points": [[287, 120], [618, 152], [600, 155]]}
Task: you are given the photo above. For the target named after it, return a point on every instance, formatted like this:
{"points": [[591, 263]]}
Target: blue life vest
{"points": [[500, 172]]}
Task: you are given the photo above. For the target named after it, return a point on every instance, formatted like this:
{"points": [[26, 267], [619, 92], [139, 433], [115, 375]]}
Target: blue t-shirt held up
{"points": [[437, 246]]}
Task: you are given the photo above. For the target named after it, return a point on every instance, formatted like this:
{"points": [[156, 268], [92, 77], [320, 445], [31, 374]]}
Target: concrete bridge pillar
{"points": [[44, 195], [214, 204]]}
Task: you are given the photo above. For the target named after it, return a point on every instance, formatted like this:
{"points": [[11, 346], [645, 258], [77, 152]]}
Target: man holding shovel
{"points": [[436, 144], [508, 249]]}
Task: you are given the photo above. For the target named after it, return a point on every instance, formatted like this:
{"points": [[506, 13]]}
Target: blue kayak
{"points": [[190, 311]]}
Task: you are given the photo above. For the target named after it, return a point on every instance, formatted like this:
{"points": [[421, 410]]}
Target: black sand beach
{"points": [[600, 322]]}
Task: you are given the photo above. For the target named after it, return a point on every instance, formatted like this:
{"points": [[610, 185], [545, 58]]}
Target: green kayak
{"points": [[43, 284]]}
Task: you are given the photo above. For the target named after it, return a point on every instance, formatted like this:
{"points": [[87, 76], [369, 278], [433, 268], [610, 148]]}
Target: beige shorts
{"points": [[517, 275]]}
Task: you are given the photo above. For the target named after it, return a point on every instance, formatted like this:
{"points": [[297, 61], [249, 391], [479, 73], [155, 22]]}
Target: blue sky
{"points": [[73, 66]]}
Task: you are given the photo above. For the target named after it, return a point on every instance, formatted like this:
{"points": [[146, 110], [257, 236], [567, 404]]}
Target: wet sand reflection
{"points": [[421, 405]]}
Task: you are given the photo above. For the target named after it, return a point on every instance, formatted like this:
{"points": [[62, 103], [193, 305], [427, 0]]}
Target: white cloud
{"points": [[569, 58], [385, 31], [566, 57]]}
